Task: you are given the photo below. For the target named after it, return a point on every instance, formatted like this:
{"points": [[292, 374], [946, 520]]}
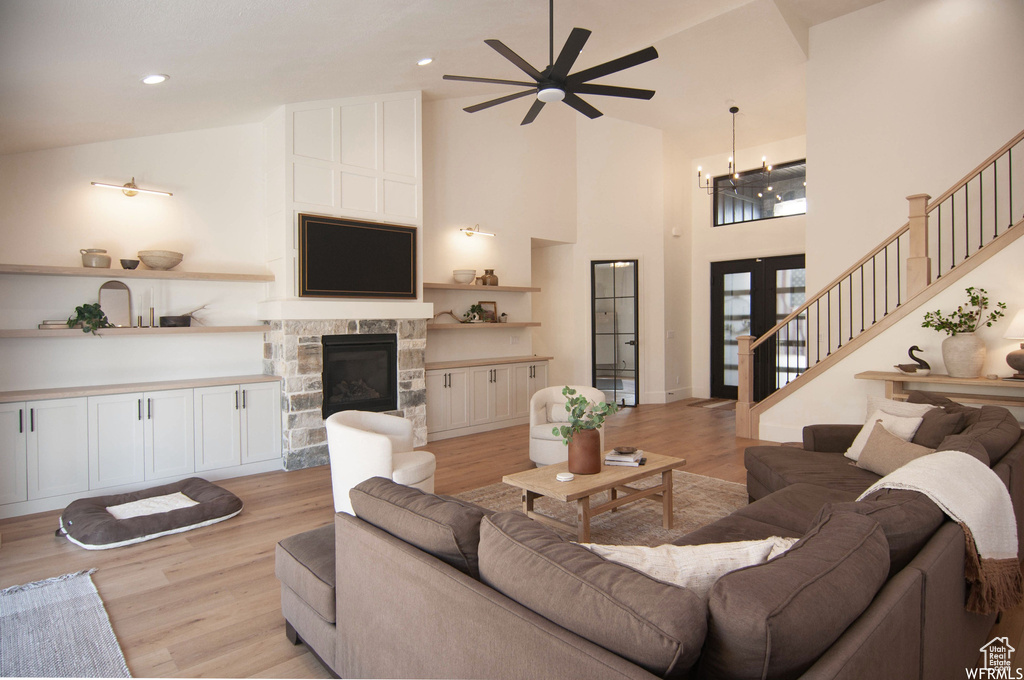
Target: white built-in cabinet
{"points": [[236, 424], [466, 397], [52, 450]]}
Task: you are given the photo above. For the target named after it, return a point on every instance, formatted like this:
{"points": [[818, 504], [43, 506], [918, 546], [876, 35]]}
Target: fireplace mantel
{"points": [[316, 309]]}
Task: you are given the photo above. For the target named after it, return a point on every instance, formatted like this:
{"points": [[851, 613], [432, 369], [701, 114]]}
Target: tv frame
{"points": [[406, 288]]}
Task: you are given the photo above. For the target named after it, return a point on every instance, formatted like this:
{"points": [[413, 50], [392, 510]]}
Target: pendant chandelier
{"points": [[708, 184]]}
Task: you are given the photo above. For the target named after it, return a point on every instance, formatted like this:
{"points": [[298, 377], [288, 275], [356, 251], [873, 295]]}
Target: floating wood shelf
{"points": [[478, 326], [493, 361], [482, 289], [77, 332], [48, 270], [896, 387]]}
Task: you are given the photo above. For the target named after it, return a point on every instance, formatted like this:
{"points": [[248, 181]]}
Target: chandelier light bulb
{"points": [[549, 95]]}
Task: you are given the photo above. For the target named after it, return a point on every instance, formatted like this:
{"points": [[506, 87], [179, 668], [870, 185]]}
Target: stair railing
{"points": [[939, 236]]}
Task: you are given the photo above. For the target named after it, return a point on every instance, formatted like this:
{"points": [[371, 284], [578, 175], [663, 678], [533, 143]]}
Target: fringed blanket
{"points": [[972, 495]]}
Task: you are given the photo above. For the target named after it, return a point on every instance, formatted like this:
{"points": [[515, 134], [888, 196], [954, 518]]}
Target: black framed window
{"points": [[761, 195]]}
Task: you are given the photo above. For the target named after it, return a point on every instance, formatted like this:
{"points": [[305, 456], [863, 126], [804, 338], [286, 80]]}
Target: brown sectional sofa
{"points": [[421, 586]]}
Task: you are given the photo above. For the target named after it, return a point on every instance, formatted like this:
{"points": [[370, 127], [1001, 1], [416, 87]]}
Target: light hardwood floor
{"points": [[206, 603]]}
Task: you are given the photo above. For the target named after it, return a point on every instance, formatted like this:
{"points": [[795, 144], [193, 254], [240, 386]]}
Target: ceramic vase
{"points": [[964, 355], [585, 453]]}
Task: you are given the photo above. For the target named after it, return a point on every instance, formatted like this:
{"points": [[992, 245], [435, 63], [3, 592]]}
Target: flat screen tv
{"points": [[340, 257]]}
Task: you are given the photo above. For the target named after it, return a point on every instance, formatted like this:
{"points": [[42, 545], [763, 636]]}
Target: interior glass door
{"points": [[748, 297], [616, 340]]}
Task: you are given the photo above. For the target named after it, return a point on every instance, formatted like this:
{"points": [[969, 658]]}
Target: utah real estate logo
{"points": [[998, 662]]}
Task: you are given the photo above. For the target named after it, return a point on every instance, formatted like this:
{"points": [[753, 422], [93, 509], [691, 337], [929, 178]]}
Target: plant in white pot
{"points": [[963, 352]]}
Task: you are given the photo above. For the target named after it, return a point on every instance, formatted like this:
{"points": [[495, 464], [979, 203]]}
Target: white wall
{"points": [[903, 97], [215, 218], [765, 238], [678, 248], [517, 182]]}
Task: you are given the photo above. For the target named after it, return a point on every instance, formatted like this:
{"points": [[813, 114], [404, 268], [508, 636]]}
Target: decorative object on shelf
{"points": [[130, 188], [90, 317], [95, 258], [1015, 359], [475, 231], [181, 320], [554, 83], [55, 324], [581, 434], [129, 264], [919, 367], [963, 352], [503, 318], [451, 313], [765, 173], [489, 311], [160, 259], [464, 275], [116, 302], [488, 279], [475, 314]]}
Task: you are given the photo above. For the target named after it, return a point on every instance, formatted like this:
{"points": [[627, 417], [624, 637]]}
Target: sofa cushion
{"points": [[896, 408], [996, 429], [447, 528], [695, 567], [776, 467], [903, 427], [885, 452], [795, 508], [556, 412], [767, 621], [305, 563], [412, 467], [546, 431], [965, 444], [735, 527], [936, 425], [908, 519], [659, 627]]}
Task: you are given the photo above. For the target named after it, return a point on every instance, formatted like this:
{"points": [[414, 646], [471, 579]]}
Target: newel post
{"points": [[919, 265], [745, 388]]}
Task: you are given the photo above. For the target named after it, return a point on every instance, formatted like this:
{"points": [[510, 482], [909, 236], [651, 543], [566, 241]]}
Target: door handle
{"points": [[630, 342], [21, 421], [140, 409], [31, 420], [149, 409], [243, 398]]}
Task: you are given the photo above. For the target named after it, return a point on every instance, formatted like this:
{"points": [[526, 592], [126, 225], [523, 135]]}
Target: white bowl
{"points": [[160, 259], [464, 275]]}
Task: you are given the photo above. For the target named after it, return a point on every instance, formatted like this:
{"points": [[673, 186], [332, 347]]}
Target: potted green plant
{"points": [[962, 351], [475, 314], [581, 435], [91, 318]]}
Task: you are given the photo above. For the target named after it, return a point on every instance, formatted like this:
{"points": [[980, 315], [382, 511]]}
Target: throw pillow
{"points": [[696, 567], [557, 412], [936, 425], [902, 427], [885, 452], [965, 444], [897, 408]]}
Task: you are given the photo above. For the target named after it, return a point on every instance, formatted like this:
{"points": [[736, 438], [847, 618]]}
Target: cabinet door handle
{"points": [[31, 420], [140, 409], [236, 400], [448, 380], [243, 398], [149, 409], [21, 421]]}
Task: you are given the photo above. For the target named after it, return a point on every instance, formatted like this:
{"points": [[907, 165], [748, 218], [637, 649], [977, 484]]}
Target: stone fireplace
{"points": [[294, 350]]}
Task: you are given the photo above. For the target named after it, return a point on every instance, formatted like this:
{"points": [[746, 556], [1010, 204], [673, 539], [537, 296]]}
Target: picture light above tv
{"points": [[339, 257]]}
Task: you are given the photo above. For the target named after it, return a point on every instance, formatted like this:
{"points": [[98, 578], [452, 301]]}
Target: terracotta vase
{"points": [[964, 355], [585, 453]]}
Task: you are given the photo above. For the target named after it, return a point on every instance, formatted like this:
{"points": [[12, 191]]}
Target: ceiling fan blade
{"points": [[499, 100], [532, 113], [613, 66], [581, 106], [570, 52], [613, 91], [523, 65], [499, 81]]}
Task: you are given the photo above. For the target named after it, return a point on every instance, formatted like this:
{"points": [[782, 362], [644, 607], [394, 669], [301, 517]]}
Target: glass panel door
{"points": [[616, 346]]}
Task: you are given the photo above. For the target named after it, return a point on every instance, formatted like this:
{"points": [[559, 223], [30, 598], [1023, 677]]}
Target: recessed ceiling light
{"points": [[424, 61], [155, 79]]}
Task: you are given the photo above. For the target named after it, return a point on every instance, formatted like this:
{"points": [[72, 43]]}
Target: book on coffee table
{"points": [[623, 457], [626, 463]]}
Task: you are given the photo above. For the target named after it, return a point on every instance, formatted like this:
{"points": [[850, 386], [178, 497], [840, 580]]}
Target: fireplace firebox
{"points": [[360, 373]]}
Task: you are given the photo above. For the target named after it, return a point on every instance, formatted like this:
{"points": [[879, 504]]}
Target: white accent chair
{"points": [[363, 444], [547, 411]]}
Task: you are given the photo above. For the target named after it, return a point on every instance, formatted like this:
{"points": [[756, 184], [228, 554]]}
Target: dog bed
{"points": [[123, 519]]}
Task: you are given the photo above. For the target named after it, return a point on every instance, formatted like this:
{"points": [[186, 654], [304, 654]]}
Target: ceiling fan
{"points": [[554, 83]]}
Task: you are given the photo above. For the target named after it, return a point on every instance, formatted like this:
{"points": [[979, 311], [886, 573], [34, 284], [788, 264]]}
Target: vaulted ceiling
{"points": [[70, 70]]}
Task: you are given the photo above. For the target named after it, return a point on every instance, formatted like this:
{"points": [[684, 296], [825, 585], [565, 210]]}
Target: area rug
{"points": [[697, 502], [725, 404], [58, 628]]}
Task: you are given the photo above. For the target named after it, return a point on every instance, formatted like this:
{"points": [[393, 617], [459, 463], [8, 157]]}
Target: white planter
{"points": [[964, 355]]}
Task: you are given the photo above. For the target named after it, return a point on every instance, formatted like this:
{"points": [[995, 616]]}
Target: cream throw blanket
{"points": [[971, 494]]}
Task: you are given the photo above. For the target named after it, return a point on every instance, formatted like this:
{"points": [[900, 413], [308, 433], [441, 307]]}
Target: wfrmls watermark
{"points": [[998, 662]]}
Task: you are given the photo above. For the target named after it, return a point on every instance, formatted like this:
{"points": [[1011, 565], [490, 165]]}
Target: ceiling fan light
{"points": [[549, 95]]}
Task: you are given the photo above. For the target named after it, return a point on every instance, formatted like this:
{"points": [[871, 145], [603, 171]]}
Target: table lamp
{"points": [[1016, 358]]}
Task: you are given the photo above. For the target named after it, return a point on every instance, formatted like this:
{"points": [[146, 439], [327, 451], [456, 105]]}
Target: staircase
{"points": [[943, 240]]}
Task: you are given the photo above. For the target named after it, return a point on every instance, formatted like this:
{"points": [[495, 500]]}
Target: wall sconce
{"points": [[130, 189], [470, 231], [1015, 359]]}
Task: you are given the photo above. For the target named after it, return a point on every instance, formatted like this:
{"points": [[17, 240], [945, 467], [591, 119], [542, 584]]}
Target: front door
{"points": [[748, 297]]}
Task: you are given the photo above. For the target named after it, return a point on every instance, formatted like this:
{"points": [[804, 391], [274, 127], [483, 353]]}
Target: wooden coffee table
{"points": [[614, 479]]}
